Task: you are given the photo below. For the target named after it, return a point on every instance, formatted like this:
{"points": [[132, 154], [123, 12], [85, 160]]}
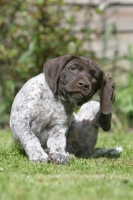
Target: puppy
{"points": [[42, 110]]}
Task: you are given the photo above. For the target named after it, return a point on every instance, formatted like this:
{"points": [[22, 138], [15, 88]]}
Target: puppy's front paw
{"points": [[39, 157], [59, 158]]}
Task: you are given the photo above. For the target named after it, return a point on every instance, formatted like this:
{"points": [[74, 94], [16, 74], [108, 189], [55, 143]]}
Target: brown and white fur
{"points": [[43, 109]]}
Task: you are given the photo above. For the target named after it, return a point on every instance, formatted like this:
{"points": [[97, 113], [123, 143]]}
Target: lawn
{"points": [[94, 178]]}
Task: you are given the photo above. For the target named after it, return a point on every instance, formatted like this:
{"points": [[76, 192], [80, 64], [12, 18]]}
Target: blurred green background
{"points": [[33, 31]]}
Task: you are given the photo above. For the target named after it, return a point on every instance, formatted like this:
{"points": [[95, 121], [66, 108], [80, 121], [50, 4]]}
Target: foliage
{"points": [[107, 178], [31, 33], [34, 31], [124, 100]]}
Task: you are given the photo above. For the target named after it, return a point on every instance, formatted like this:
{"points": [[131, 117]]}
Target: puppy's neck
{"points": [[69, 106]]}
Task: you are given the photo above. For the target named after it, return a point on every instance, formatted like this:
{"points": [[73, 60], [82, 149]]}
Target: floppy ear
{"points": [[52, 69], [106, 94]]}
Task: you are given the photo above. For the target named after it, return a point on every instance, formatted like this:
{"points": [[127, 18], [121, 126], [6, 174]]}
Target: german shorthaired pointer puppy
{"points": [[43, 109]]}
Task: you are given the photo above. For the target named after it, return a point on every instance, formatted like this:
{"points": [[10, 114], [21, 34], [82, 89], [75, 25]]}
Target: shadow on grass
{"points": [[18, 149]]}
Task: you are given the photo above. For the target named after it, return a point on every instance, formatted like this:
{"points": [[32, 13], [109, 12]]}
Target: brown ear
{"points": [[52, 69], [107, 95]]}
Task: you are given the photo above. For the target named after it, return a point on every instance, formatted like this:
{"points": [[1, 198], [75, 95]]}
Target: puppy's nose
{"points": [[83, 84]]}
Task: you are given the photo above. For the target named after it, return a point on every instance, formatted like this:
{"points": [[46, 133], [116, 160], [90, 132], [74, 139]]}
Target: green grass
{"points": [[100, 178]]}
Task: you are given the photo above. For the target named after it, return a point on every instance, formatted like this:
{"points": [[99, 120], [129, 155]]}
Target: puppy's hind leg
{"points": [[107, 152]]}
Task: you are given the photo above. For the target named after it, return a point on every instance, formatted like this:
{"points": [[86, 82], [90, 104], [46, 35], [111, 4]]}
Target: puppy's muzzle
{"points": [[83, 84]]}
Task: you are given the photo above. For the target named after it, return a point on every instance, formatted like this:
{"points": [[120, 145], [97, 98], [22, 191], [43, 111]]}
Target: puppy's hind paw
{"points": [[59, 158]]}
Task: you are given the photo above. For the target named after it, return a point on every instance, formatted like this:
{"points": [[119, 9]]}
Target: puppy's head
{"points": [[74, 78]]}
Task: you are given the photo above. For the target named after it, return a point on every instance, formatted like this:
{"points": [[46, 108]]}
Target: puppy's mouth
{"points": [[79, 98], [76, 96]]}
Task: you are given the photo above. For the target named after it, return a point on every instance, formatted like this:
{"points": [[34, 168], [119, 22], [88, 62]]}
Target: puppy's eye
{"points": [[95, 77], [74, 69]]}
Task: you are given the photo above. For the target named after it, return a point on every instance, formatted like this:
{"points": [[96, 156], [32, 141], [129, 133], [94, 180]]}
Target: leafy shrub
{"points": [[31, 33], [34, 31], [124, 100]]}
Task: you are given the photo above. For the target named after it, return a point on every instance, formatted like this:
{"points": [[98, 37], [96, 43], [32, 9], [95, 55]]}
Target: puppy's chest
{"points": [[60, 115], [52, 113]]}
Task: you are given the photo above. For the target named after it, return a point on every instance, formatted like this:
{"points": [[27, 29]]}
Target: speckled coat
{"points": [[37, 116]]}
